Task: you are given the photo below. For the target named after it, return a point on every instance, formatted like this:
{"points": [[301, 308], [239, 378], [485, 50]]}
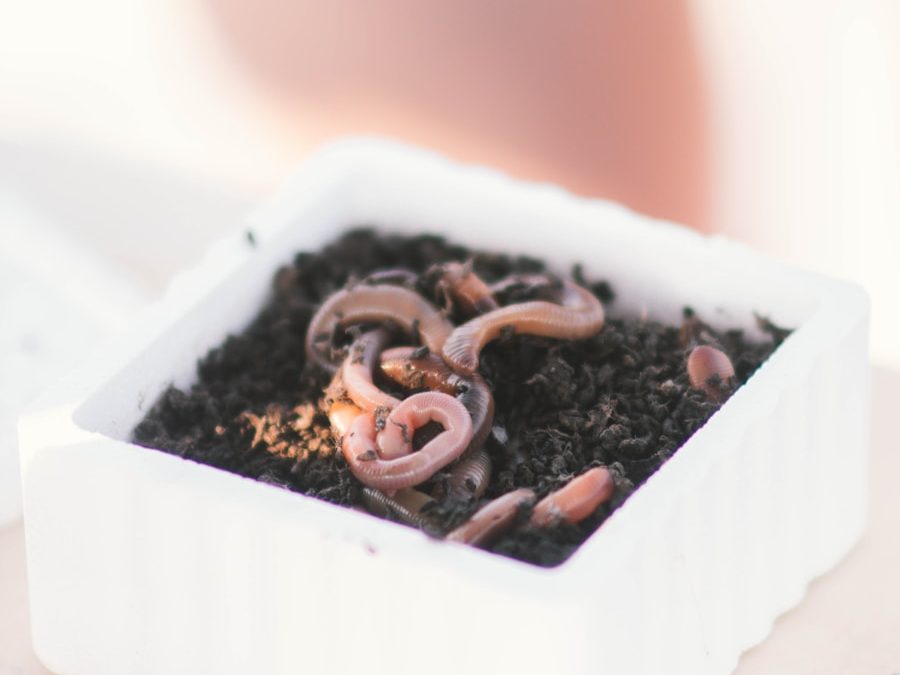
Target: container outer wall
{"points": [[140, 562], [782, 504]]}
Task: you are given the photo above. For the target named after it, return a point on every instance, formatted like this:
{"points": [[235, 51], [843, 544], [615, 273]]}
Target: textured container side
{"points": [[741, 549], [666, 580], [154, 548], [841, 445]]}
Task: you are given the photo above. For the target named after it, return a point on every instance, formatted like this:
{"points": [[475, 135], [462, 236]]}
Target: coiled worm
{"points": [[360, 450], [429, 371]]}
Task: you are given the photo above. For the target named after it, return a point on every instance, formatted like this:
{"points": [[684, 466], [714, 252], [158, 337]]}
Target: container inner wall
{"points": [[654, 268]]}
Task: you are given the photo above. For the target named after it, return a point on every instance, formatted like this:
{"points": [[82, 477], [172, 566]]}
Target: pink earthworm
{"points": [[358, 369], [354, 380], [710, 370], [470, 476], [341, 414], [380, 303], [579, 315], [492, 519], [576, 500], [429, 371], [466, 288], [405, 505], [359, 448]]}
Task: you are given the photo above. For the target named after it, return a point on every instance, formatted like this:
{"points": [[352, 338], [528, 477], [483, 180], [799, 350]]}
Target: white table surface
{"points": [[848, 624]]}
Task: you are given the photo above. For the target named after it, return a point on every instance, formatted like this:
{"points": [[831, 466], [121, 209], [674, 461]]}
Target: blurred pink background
{"points": [[606, 98], [772, 122]]}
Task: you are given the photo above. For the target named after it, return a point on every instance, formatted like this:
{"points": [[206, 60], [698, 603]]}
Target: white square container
{"points": [[141, 562]]}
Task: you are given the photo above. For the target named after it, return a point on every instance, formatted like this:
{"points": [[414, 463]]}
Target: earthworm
{"points": [[358, 369], [579, 315], [467, 289], [414, 372], [576, 500], [341, 415], [380, 303], [405, 505], [354, 380], [710, 370], [341, 412], [470, 476], [359, 449], [492, 519]]}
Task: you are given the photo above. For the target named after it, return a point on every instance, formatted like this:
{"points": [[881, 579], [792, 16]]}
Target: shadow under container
{"points": [[142, 562]]}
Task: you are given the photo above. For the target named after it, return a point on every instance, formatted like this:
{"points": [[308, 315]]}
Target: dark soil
{"points": [[620, 399]]}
